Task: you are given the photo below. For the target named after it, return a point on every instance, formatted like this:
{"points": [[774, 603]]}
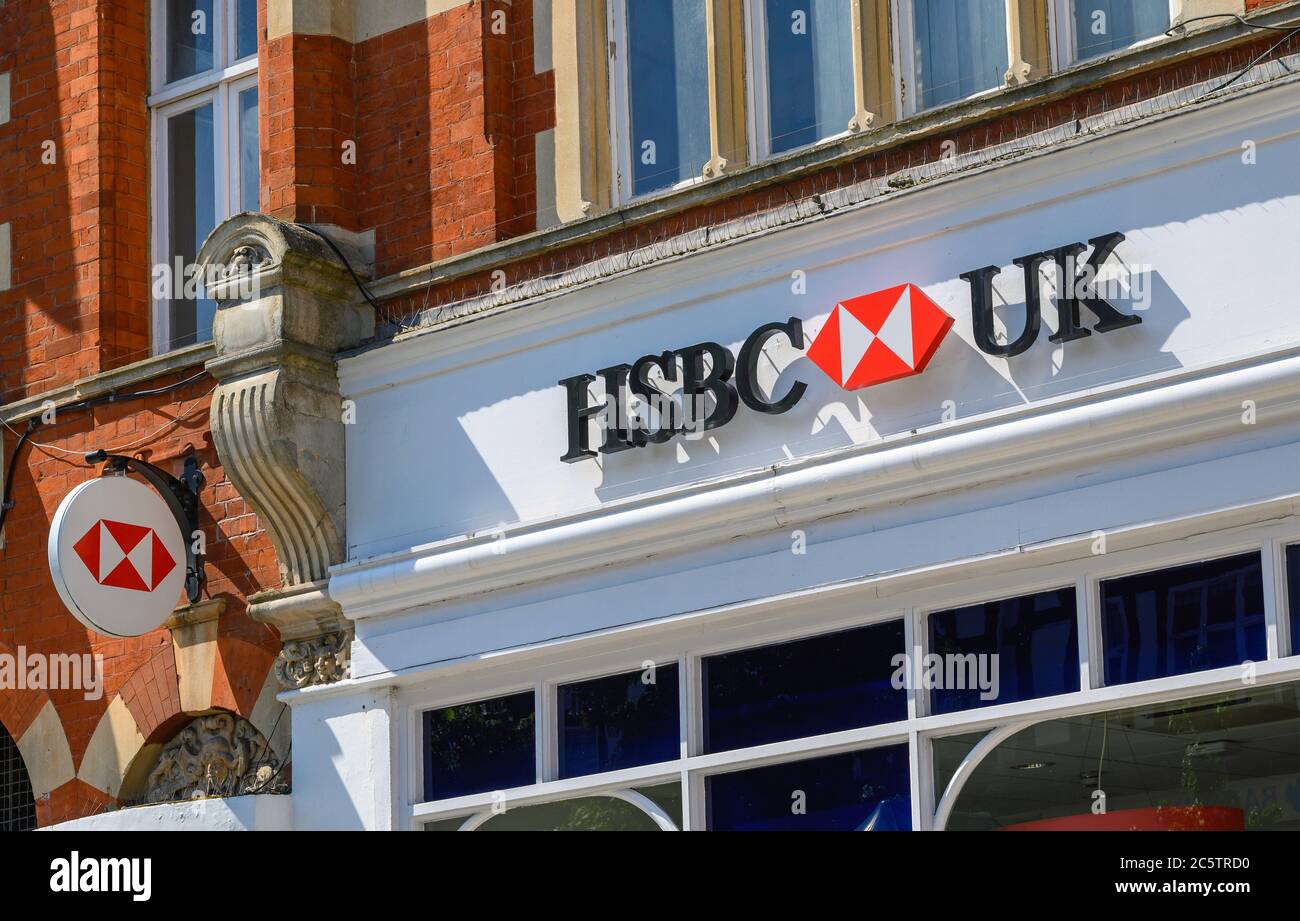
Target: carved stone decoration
{"points": [[317, 660], [217, 755], [277, 414]]}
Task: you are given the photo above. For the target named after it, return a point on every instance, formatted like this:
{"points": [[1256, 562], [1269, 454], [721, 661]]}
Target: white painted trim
{"points": [[1094, 425], [983, 748], [828, 609]]}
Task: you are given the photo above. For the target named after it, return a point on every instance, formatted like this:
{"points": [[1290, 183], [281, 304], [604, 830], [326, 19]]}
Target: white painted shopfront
{"points": [[481, 567]]}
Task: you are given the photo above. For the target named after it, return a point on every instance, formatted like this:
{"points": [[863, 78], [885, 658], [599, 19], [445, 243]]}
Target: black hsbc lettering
{"points": [[713, 385]]}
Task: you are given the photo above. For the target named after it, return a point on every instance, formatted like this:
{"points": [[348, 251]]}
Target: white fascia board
{"points": [[1080, 430]]}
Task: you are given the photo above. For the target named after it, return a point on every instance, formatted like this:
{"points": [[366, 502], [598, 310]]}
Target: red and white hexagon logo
{"points": [[124, 555], [880, 337], [116, 555]]}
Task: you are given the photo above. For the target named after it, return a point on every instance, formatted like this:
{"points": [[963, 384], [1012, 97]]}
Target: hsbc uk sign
{"points": [[872, 339]]}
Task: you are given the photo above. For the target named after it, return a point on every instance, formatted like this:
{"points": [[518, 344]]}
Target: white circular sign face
{"points": [[117, 556]]}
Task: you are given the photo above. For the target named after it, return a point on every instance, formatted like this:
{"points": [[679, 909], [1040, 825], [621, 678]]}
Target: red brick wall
{"points": [[79, 301], [142, 669], [533, 105], [307, 82]]}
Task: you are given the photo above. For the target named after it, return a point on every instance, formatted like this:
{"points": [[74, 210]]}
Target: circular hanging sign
{"points": [[117, 556]]}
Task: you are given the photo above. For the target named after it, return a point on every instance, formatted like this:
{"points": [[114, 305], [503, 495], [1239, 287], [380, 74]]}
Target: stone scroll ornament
{"points": [[217, 755]]}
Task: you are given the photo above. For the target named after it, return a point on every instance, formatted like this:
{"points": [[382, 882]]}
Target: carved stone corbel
{"points": [[286, 306]]}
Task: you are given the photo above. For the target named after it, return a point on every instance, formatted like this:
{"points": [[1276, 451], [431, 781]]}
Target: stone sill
{"points": [[106, 382], [949, 118]]}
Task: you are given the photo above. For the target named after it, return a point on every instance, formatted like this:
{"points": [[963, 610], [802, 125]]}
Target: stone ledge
{"points": [[106, 382]]}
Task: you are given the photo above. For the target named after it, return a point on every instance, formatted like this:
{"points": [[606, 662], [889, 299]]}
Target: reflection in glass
{"points": [[803, 688], [248, 150], [619, 722], [856, 791], [189, 38], [192, 200], [1188, 619], [809, 70], [960, 47], [245, 29], [668, 92], [1103, 26], [1030, 645], [479, 747], [1229, 761], [589, 813]]}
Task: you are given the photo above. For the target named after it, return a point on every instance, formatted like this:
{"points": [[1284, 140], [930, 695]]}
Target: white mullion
{"points": [[758, 68], [545, 728], [1087, 605], [690, 696], [621, 120], [904, 78], [1273, 573], [915, 645], [920, 758]]}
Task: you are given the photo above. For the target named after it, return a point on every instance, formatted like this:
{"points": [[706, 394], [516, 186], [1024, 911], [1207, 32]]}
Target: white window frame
{"points": [[756, 80], [824, 610], [1061, 25], [221, 87], [622, 144], [907, 100]]}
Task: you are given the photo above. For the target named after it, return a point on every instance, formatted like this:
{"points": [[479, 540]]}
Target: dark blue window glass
{"points": [[189, 38], [619, 722], [805, 688], [245, 29], [1293, 593], [809, 70], [478, 747], [668, 92], [960, 48], [1207, 615], [1103, 26], [1005, 651], [856, 791]]}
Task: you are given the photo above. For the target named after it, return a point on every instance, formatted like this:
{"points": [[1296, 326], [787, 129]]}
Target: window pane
{"points": [[1226, 762], [479, 747], [805, 688], [960, 46], [668, 91], [248, 151], [191, 177], [1103, 26], [809, 70], [1293, 593], [590, 813], [1022, 647], [1188, 619], [189, 38], [856, 791], [619, 722], [245, 29]]}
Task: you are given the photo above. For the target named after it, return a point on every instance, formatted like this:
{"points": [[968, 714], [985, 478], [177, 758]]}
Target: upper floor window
{"points": [[203, 112], [951, 49], [1091, 28], [661, 94], [801, 72]]}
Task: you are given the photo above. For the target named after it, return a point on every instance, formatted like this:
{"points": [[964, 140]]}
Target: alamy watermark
{"points": [[38, 671], [947, 672]]}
